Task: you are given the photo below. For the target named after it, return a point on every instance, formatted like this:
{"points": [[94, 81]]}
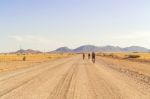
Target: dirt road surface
{"points": [[73, 78]]}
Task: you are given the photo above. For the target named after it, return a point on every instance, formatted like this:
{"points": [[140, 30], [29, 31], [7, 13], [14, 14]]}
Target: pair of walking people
{"points": [[89, 56]]}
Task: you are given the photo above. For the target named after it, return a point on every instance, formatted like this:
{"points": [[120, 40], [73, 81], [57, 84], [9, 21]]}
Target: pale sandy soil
{"points": [[73, 78], [14, 65]]}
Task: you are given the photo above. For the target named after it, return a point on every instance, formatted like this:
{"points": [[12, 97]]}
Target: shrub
{"points": [[133, 56], [24, 58], [135, 52], [111, 55]]}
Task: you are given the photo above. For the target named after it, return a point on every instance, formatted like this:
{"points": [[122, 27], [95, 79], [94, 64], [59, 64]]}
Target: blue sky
{"points": [[48, 24]]}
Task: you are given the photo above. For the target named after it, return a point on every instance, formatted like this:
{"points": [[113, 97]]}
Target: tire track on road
{"points": [[21, 83], [126, 87], [102, 89], [62, 88], [27, 70]]}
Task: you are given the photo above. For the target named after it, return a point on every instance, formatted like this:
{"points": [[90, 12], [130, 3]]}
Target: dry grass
{"points": [[9, 62], [128, 55], [30, 57]]}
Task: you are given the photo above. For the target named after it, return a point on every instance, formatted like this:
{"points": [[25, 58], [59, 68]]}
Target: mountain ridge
{"points": [[108, 48], [28, 51], [87, 48]]}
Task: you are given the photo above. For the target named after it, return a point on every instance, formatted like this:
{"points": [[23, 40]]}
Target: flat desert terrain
{"points": [[74, 78]]}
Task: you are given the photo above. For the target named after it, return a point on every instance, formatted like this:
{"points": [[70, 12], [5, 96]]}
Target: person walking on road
{"points": [[93, 57], [89, 55], [83, 56]]}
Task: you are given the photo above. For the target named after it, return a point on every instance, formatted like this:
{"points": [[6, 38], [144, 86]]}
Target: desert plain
{"points": [[68, 76]]}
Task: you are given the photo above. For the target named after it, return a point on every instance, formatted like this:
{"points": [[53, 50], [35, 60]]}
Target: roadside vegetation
{"points": [[127, 55], [10, 62]]}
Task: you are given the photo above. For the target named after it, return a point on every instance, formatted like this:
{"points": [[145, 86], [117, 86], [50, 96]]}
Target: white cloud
{"points": [[31, 39], [35, 42], [136, 35], [137, 38], [17, 38]]}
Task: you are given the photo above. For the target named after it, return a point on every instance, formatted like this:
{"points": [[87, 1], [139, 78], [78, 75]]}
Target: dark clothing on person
{"points": [[93, 57], [89, 55], [83, 56]]}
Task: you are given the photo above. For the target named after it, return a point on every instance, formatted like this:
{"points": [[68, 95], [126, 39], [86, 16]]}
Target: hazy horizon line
{"points": [[73, 48]]}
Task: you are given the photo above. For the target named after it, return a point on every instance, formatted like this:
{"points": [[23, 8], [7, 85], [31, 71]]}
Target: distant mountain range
{"points": [[90, 48], [28, 51], [87, 48], [62, 50]]}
